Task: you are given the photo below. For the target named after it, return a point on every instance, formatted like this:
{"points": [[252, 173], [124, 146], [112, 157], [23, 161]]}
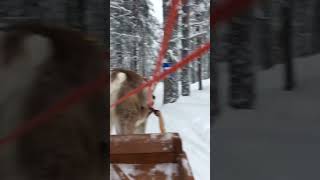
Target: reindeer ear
{"points": [[38, 48]]}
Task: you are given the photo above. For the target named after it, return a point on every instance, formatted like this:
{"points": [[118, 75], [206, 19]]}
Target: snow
{"points": [[190, 117], [130, 170], [169, 169], [113, 174], [157, 10], [280, 138]]}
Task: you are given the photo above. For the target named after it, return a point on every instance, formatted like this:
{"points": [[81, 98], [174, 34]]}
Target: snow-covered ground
{"points": [[190, 117], [280, 139]]}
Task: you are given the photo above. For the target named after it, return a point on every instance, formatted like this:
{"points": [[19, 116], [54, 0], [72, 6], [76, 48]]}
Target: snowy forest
{"points": [[85, 15], [266, 92], [270, 33], [136, 34]]}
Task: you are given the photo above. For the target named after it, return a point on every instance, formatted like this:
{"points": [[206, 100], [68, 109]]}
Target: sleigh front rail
{"points": [[148, 156]]}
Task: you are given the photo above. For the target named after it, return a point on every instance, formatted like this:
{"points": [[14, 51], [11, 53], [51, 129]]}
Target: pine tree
{"points": [[199, 38], [133, 35], [199, 33]]}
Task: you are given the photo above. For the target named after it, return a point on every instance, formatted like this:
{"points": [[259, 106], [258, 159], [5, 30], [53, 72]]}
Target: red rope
{"points": [[226, 10], [195, 54], [168, 30], [74, 97], [221, 13]]}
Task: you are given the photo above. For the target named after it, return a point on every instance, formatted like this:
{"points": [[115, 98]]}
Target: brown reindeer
{"points": [[39, 65], [130, 116]]}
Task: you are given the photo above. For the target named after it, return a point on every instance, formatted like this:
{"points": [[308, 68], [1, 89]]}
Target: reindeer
{"points": [[130, 116], [39, 65]]}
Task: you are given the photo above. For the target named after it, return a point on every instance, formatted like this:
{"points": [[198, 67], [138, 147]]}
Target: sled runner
{"points": [[148, 156]]}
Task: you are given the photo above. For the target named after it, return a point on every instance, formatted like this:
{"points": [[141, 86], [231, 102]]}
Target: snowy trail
{"points": [[190, 117], [280, 139]]}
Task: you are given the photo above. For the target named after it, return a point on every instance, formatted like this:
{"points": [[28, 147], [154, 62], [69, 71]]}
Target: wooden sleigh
{"points": [[148, 156]]}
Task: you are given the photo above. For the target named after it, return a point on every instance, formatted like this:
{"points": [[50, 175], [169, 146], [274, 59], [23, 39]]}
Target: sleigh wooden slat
{"points": [[148, 156]]}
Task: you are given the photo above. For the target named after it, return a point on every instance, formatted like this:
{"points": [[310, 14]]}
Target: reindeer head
{"points": [[21, 54], [38, 66], [130, 116]]}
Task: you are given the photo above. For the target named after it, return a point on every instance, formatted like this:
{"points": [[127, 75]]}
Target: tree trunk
{"points": [[241, 91], [185, 74], [171, 89], [134, 61], [263, 42], [316, 28], [119, 55], [193, 72], [199, 42], [214, 93], [287, 44], [214, 90]]}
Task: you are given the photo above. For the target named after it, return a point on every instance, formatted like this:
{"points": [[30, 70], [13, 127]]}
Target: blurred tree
{"points": [[287, 44], [241, 66], [86, 15], [214, 76]]}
